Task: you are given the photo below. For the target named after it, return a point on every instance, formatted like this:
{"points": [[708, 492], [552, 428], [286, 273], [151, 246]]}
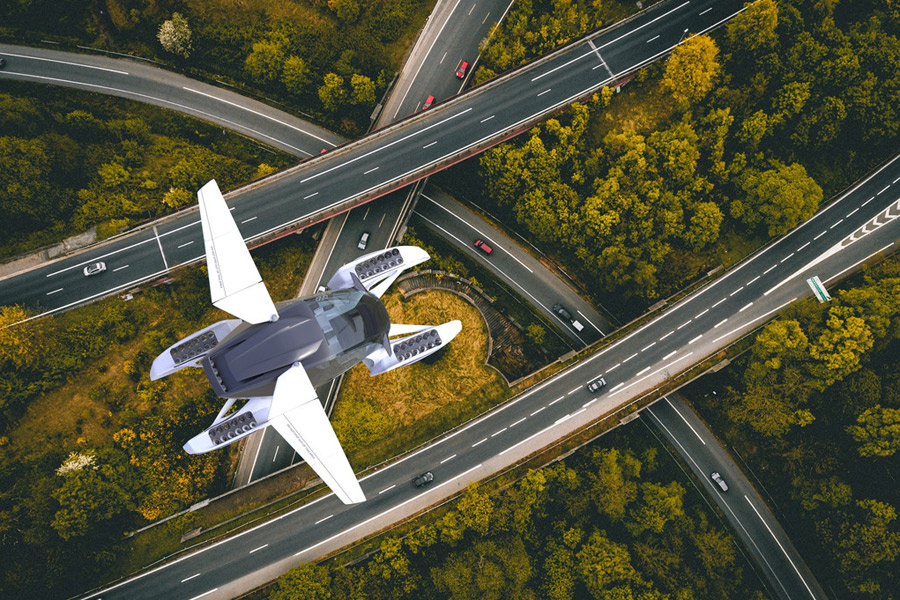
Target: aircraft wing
{"points": [[234, 281], [298, 416]]}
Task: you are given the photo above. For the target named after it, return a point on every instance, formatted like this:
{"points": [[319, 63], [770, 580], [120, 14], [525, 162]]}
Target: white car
{"points": [[94, 268], [719, 481], [363, 240]]}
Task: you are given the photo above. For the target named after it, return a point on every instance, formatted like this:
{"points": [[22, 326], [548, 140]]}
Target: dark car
{"points": [[719, 481], [562, 312], [2, 62], [462, 69], [428, 102], [423, 479], [94, 268], [481, 245], [594, 386]]}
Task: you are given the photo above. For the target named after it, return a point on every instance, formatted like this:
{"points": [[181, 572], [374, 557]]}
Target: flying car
{"points": [[274, 356]]}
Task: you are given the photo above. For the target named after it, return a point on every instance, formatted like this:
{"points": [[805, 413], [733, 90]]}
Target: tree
{"points": [[868, 537], [877, 431], [704, 225], [779, 198], [535, 333], [295, 74], [840, 346], [332, 92], [177, 197], [692, 69], [175, 36], [346, 10], [602, 564], [613, 485], [362, 90], [21, 344], [754, 28], [659, 505], [489, 570], [475, 509], [306, 582], [265, 63], [812, 493]]}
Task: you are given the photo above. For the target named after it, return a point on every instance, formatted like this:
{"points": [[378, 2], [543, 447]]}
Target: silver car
{"points": [[719, 481], [94, 268]]}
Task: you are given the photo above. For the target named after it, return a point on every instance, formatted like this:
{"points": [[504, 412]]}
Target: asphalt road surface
{"points": [[786, 573], [855, 227], [388, 159]]}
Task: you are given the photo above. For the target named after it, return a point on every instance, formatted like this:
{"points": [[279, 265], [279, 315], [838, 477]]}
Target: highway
{"points": [[359, 171], [786, 573], [858, 225]]}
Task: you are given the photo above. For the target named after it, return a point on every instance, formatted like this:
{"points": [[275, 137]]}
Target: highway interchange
{"points": [[731, 305]]}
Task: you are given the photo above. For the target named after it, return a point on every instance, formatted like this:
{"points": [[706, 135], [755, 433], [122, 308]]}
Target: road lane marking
{"points": [[517, 422], [859, 262], [746, 307], [277, 448], [54, 291], [499, 432], [471, 9], [185, 244], [735, 291], [820, 235], [488, 119], [655, 37], [589, 402], [642, 371], [667, 335], [695, 339], [389, 488], [670, 354], [850, 214], [572, 391], [648, 347], [600, 58], [753, 280], [429, 145], [719, 302], [258, 549], [772, 533], [614, 367], [806, 244], [65, 62], [442, 59], [720, 323], [248, 220], [451, 457], [786, 257], [544, 92], [762, 316], [193, 576], [867, 201], [701, 313], [669, 402], [685, 324], [311, 195], [479, 442], [205, 594], [883, 190], [775, 266], [370, 171], [325, 519], [660, 370], [629, 358], [836, 224], [589, 321], [537, 411], [485, 17], [555, 401], [382, 514], [264, 116], [615, 387], [705, 11]]}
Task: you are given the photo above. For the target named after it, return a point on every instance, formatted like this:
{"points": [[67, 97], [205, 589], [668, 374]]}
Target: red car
{"points": [[461, 69], [483, 247], [428, 102]]}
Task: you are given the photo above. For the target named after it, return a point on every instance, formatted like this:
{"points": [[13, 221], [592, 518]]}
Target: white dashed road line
{"points": [[517, 422], [325, 519], [555, 401], [370, 171], [248, 220], [720, 323], [746, 307], [644, 349], [670, 354], [191, 577], [665, 336], [701, 313], [429, 145], [451, 457], [260, 548], [389, 488], [499, 432], [537, 411], [836, 224], [54, 291], [695, 339], [655, 37], [479, 442], [544, 92], [488, 119], [311, 195], [185, 244]]}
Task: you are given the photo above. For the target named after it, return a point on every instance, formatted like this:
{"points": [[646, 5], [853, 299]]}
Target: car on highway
{"points": [[594, 385], [562, 312], [462, 69], [719, 481], [482, 245], [363, 240], [2, 62], [423, 479], [94, 268], [428, 102]]}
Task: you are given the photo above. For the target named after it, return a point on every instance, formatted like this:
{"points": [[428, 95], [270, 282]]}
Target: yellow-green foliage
{"points": [[371, 408]]}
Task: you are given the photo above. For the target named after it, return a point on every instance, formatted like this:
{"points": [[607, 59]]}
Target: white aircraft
{"points": [[274, 356]]}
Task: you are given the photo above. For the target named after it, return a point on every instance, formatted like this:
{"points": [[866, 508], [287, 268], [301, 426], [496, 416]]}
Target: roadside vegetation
{"points": [[733, 140], [814, 407], [74, 160], [89, 446], [330, 59], [609, 522]]}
